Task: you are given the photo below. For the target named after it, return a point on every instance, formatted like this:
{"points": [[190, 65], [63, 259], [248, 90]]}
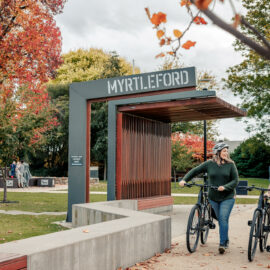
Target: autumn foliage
{"points": [[30, 49], [194, 144], [195, 8]]}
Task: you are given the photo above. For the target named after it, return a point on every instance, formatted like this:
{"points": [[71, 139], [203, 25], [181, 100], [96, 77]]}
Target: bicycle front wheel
{"points": [[193, 228], [265, 230], [254, 235], [205, 221]]}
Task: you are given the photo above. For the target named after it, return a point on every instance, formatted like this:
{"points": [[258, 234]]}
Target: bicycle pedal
{"points": [[249, 222], [268, 248], [212, 226]]}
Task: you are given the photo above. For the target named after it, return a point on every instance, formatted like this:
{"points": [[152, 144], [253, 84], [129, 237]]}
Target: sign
{"points": [[9, 183], [76, 160], [139, 83], [44, 182]]}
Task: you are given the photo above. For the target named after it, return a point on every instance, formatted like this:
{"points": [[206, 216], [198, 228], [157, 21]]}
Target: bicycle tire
{"points": [[206, 219], [264, 234], [254, 234], [193, 228]]}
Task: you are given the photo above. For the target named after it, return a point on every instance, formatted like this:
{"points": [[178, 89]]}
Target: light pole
{"points": [[205, 81]]}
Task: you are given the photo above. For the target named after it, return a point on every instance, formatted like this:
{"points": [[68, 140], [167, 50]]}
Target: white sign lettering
{"points": [[148, 82]]}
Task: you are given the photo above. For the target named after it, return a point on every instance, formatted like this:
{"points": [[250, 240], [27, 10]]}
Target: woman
{"points": [[221, 172]]}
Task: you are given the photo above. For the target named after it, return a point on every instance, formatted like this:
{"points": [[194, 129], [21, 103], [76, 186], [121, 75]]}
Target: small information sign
{"points": [[77, 160], [44, 182], [9, 183]]}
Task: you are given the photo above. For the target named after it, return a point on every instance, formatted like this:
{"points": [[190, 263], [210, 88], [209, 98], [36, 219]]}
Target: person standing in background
{"points": [[13, 169], [26, 174]]}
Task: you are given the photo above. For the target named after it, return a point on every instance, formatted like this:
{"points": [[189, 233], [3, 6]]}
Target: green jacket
{"points": [[218, 175]]}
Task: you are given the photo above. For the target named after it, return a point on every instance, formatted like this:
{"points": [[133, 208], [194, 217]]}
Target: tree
{"points": [[252, 158], [82, 65], [260, 44], [24, 119], [181, 158], [30, 46], [194, 144], [250, 80], [51, 157], [187, 151]]}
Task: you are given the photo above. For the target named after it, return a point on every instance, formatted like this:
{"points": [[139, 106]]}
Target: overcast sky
{"points": [[123, 26]]}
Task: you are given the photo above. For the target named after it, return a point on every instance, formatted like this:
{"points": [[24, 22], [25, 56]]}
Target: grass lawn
{"points": [[15, 227], [41, 202], [102, 186]]}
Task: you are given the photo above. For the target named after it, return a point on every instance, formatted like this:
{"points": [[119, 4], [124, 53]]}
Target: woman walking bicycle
{"points": [[221, 172]]}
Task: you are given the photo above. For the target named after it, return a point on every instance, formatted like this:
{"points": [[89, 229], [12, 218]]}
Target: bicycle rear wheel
{"points": [[206, 220], [254, 235], [265, 230], [193, 228]]}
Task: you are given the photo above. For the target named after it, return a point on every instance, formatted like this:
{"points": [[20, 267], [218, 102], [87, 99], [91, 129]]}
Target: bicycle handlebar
{"points": [[200, 185], [250, 188]]}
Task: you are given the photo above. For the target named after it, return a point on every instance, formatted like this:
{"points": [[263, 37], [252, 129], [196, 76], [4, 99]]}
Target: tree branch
{"points": [[264, 52], [255, 31]]}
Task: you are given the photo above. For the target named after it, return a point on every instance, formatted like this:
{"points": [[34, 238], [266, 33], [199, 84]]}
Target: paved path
{"points": [[207, 256]]}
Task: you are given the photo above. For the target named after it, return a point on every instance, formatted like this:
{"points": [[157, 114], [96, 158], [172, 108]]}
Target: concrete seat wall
{"points": [[131, 237]]}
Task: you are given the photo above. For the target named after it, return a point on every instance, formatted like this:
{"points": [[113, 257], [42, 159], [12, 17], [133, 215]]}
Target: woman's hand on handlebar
{"points": [[182, 183], [221, 188]]}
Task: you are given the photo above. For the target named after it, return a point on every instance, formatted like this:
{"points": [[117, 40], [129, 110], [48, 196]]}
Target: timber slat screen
{"points": [[143, 157]]}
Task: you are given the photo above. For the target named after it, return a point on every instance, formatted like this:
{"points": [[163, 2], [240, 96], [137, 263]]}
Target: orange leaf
{"points": [[148, 13], [158, 18], [85, 231], [162, 42], [199, 20], [237, 20], [202, 4], [168, 41], [188, 44], [171, 53], [177, 33], [160, 55], [185, 3], [160, 33]]}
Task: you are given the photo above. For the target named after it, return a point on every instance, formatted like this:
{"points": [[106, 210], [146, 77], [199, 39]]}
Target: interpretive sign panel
{"points": [[77, 160]]}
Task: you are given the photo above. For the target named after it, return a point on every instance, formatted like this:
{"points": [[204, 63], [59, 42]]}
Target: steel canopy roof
{"points": [[194, 109]]}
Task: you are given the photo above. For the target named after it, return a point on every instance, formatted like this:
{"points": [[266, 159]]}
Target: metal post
{"points": [[205, 143]]}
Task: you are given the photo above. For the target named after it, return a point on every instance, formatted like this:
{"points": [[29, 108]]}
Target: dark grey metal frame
{"points": [[79, 94]]}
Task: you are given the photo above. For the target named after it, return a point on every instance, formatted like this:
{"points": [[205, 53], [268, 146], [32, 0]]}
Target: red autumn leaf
{"points": [[168, 41], [202, 4], [162, 42], [237, 20], [199, 20], [160, 55], [158, 18], [188, 44]]}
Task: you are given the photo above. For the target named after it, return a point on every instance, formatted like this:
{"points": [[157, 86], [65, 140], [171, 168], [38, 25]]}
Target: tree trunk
{"points": [[4, 171]]}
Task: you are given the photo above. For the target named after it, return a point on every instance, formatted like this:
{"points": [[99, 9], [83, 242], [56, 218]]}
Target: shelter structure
{"points": [[141, 108]]}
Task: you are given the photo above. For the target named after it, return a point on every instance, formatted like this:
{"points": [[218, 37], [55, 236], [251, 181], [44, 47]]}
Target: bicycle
{"points": [[200, 218], [259, 225]]}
